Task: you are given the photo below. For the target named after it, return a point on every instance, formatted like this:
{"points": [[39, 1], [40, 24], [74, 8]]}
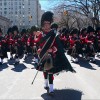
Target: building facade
{"points": [[23, 13], [4, 24]]}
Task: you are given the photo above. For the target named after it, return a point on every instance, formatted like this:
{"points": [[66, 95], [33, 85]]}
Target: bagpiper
{"points": [[83, 36], [75, 45], [3, 50], [90, 40], [51, 53], [10, 42], [18, 45], [24, 38], [98, 40]]}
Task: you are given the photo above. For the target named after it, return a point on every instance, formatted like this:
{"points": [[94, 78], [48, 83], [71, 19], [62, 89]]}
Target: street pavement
{"points": [[15, 81]]}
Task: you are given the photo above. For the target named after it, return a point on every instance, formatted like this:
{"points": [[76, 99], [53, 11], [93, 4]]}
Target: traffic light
{"points": [[30, 17], [65, 13]]}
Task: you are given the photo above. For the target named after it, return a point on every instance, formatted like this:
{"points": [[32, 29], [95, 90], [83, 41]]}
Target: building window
{"points": [[16, 12], [5, 8], [5, 3], [0, 4], [1, 13], [15, 3], [19, 7], [19, 3], [19, 12], [5, 12]]}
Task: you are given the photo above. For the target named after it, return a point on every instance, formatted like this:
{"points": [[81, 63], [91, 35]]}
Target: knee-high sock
{"points": [[45, 79], [50, 82]]}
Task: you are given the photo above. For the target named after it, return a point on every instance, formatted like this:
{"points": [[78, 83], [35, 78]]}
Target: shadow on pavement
{"points": [[64, 94], [97, 62], [83, 63], [19, 68], [3, 66], [29, 59], [11, 62]]}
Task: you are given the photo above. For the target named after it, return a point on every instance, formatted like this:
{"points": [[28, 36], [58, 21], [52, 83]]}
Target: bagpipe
{"points": [[49, 38]]}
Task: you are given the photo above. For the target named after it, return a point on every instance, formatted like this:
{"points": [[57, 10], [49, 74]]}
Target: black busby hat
{"points": [[28, 30], [90, 29], [15, 28], [23, 31], [97, 29], [9, 30], [34, 28], [83, 30], [74, 31], [65, 31], [0, 30], [47, 16], [54, 26]]}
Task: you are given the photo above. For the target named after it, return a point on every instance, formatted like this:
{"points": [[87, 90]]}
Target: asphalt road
{"points": [[15, 82]]}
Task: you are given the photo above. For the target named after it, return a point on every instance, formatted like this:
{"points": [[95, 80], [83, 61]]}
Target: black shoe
{"points": [[51, 93], [47, 88], [93, 61], [16, 63], [11, 58], [73, 71]]}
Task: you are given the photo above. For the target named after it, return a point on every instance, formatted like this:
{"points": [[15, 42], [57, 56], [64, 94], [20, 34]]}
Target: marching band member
{"points": [[98, 40], [10, 42], [90, 40], [3, 49], [18, 46], [54, 55], [83, 35], [24, 38], [75, 45]]}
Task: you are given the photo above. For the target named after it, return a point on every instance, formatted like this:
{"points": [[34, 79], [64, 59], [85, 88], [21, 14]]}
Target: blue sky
{"points": [[44, 4], [48, 4]]}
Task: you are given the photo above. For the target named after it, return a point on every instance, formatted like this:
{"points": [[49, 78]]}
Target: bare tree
{"points": [[89, 10]]}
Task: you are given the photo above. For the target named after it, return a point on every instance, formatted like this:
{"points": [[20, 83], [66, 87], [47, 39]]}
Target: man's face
{"points": [[91, 33], [10, 33], [15, 32], [75, 35], [34, 33], [46, 26], [84, 33]]}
